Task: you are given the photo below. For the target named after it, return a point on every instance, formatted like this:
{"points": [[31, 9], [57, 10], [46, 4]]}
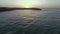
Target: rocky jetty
{"points": [[9, 9]]}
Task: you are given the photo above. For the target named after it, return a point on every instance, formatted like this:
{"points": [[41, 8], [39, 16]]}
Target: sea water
{"points": [[46, 21]]}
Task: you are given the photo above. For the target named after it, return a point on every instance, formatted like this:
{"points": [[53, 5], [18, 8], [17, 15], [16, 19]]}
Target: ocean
{"points": [[46, 21]]}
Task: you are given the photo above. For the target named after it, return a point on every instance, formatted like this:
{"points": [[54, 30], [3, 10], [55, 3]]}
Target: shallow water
{"points": [[30, 22]]}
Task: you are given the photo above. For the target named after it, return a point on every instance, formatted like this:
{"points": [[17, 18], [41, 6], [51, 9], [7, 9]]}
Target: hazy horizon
{"points": [[41, 3]]}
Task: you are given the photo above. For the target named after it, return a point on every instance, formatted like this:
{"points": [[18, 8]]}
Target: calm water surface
{"points": [[30, 22]]}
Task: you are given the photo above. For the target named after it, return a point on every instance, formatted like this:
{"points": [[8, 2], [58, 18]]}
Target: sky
{"points": [[36, 3]]}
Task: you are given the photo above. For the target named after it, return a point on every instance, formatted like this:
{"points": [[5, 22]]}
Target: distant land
{"points": [[9, 9]]}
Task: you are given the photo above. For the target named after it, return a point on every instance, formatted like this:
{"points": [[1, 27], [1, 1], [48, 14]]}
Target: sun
{"points": [[27, 4]]}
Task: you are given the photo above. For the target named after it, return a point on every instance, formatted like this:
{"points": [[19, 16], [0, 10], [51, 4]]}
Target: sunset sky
{"points": [[27, 3]]}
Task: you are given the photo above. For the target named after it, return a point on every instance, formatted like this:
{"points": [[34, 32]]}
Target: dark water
{"points": [[46, 21]]}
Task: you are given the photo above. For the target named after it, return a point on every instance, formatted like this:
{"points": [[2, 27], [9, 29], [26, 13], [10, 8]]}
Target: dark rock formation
{"points": [[9, 9]]}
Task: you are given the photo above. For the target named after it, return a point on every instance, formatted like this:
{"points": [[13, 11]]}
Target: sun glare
{"points": [[27, 4], [30, 3]]}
